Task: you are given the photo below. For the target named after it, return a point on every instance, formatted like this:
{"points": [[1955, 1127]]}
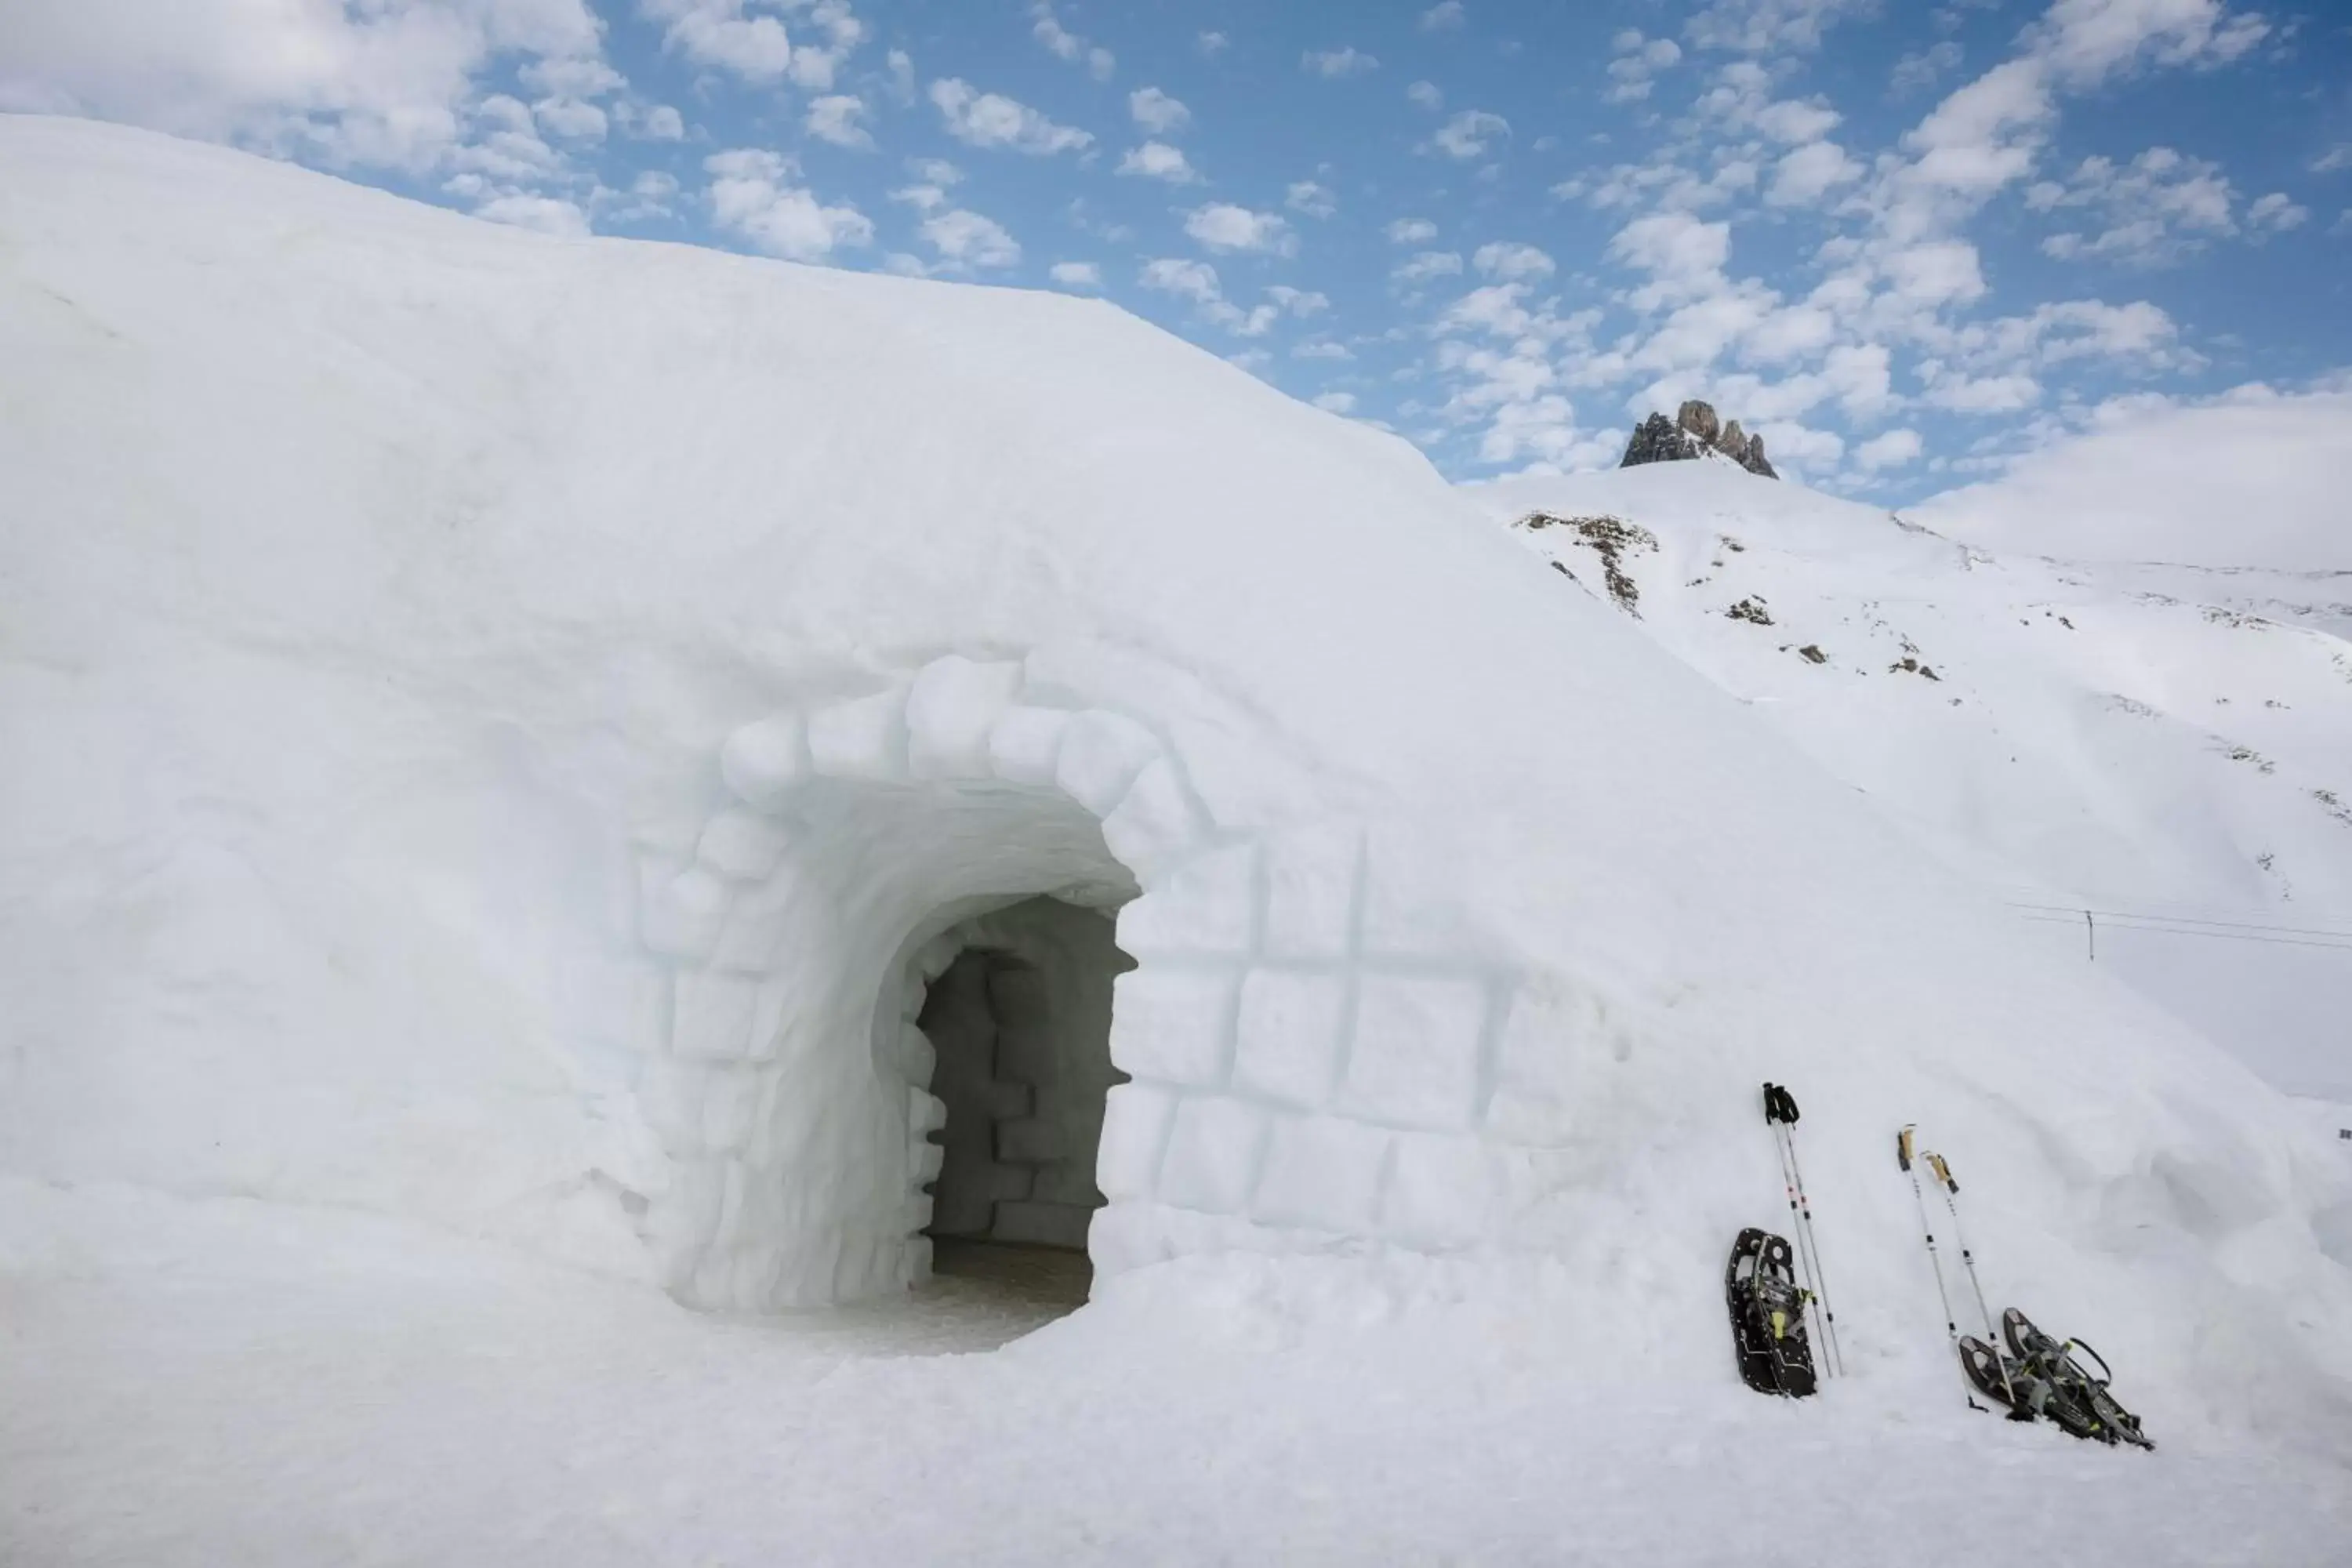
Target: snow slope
{"points": [[2168, 743], [502, 729]]}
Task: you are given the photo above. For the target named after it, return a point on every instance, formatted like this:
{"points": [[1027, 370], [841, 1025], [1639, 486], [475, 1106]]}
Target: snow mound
{"points": [[2168, 745], [504, 731]]}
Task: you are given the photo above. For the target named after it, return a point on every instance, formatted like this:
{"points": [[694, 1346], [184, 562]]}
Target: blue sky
{"points": [[1908, 242]]}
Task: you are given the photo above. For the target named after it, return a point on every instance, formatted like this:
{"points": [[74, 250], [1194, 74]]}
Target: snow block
{"points": [[1322, 1172], [727, 1107], [1311, 891], [681, 916], [1134, 1135], [1153, 827], [1100, 756], [1286, 1047], [1173, 1026], [741, 845], [862, 739], [1414, 1057], [670, 1096], [1024, 744], [1440, 1192], [714, 1017], [1041, 1224], [1206, 906], [765, 761], [1213, 1148], [951, 708], [926, 1112], [1031, 1141]]}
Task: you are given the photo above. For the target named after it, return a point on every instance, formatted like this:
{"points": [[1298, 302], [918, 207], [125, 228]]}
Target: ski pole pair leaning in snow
{"points": [[1766, 1300], [2039, 1375]]}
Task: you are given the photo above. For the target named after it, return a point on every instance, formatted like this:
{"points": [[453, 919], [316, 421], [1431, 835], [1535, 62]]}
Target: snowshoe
{"points": [[2063, 1389], [1767, 1316], [1997, 1377]]}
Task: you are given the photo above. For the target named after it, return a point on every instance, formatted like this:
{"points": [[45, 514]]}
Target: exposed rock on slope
{"points": [[1695, 432]]}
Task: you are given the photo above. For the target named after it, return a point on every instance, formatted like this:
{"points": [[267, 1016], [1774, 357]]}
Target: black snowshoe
{"points": [[1767, 1316], [2051, 1382]]}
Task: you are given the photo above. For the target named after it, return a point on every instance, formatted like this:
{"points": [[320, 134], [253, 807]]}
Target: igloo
{"points": [[513, 734]]}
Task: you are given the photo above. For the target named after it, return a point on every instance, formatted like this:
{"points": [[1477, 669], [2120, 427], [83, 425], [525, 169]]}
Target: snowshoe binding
{"points": [[2052, 1383], [1767, 1316]]}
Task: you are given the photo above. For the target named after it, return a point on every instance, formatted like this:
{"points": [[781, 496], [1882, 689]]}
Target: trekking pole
{"points": [[1943, 1175], [1903, 1150], [1780, 1114]]}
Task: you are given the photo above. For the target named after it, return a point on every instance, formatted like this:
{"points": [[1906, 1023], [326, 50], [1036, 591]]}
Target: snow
{"points": [[194, 1383], [2168, 743], [497, 732]]}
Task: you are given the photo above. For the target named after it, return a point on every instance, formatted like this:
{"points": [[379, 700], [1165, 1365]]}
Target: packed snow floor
{"points": [[232, 1381]]}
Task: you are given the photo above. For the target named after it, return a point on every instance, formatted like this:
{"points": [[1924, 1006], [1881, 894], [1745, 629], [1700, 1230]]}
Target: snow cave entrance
{"points": [[1019, 1025]]}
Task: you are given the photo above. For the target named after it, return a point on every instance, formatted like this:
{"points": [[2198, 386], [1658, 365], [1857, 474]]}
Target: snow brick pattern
{"points": [[1291, 1088]]}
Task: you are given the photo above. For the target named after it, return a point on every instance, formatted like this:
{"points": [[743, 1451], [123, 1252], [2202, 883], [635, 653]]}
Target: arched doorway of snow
{"points": [[1301, 1071], [808, 1117], [1019, 1025]]}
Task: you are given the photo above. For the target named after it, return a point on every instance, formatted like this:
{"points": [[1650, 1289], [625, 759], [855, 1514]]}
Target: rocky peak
{"points": [[1695, 432]]}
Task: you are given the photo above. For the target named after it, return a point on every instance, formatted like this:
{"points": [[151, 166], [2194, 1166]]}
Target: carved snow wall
{"points": [[1292, 1085]]}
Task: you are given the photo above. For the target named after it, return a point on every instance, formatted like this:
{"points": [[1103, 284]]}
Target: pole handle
{"points": [[1903, 1148], [1780, 1105], [1943, 1172]]}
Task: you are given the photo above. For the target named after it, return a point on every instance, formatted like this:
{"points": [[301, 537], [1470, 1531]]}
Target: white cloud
{"points": [[1922, 68], [373, 86], [1411, 230], [1792, 121], [546, 214], [1320, 349], [1892, 450], [1076, 274], [2337, 157], [1768, 26], [1677, 250], [1637, 64], [2253, 477], [1467, 135], [2275, 214], [751, 194], [1193, 280], [1425, 95], [719, 33], [2088, 39], [663, 123], [1444, 14], [1803, 177], [1212, 44], [1348, 62], [968, 239], [2158, 209], [991, 120], [1222, 226], [1935, 272], [1299, 301], [834, 118], [573, 118], [1068, 45], [1157, 112], [1426, 265], [1961, 392], [1507, 262], [1311, 199], [1335, 402], [1159, 161]]}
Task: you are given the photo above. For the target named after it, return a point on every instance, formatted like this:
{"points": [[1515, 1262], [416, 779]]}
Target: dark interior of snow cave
{"points": [[1021, 1025]]}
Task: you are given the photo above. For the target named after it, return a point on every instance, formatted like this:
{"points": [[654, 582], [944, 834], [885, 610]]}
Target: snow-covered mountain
{"points": [[2169, 746]]}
